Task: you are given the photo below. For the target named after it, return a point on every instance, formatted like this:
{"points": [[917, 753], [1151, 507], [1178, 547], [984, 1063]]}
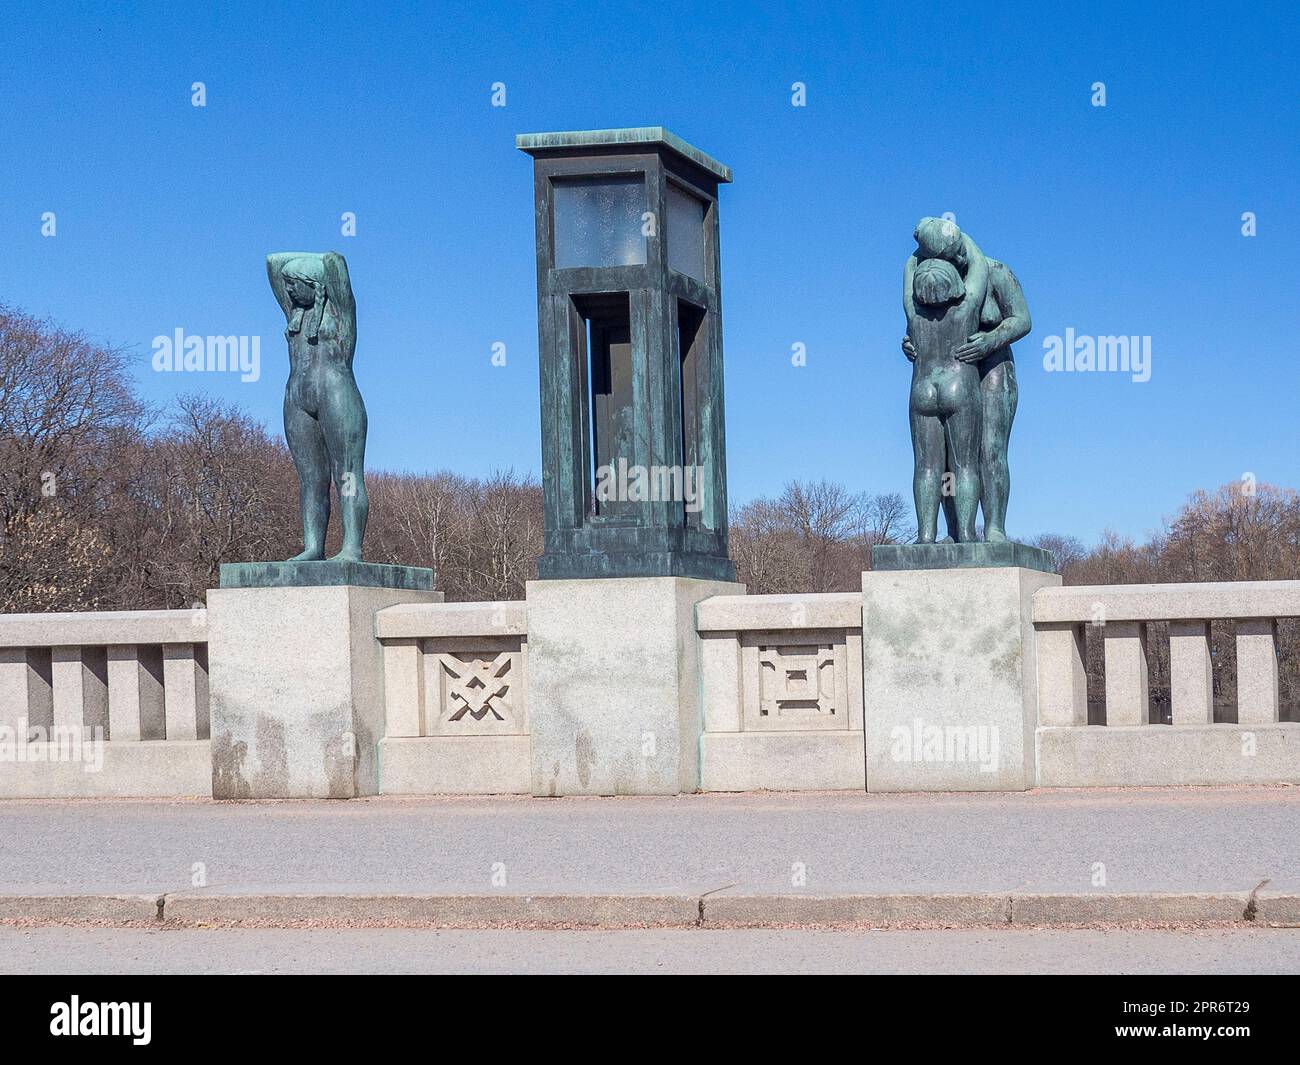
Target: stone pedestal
{"points": [[296, 676], [614, 684], [949, 677], [980, 555]]}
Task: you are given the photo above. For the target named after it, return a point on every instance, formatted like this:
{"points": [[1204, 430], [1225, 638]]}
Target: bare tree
{"points": [[213, 486], [763, 548], [1066, 551], [887, 519], [505, 536], [418, 520], [815, 537], [67, 414]]}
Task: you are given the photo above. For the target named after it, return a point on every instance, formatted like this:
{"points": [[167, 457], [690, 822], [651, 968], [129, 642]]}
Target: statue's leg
{"points": [[307, 446], [343, 418], [928, 450], [1000, 396], [949, 503], [962, 428]]}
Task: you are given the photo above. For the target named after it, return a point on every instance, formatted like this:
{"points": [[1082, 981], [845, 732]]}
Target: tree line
{"points": [[107, 503]]}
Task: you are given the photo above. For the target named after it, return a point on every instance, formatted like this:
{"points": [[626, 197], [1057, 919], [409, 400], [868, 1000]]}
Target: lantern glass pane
{"points": [[686, 214], [598, 221]]}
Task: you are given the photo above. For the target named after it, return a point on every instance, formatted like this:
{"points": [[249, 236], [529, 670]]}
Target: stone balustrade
{"points": [[781, 692], [104, 703], [781, 695], [1129, 750], [455, 698], [115, 703]]}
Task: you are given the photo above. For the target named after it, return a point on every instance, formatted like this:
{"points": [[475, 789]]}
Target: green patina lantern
{"points": [[634, 471]]}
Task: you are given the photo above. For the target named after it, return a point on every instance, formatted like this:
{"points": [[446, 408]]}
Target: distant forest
{"points": [[107, 504]]}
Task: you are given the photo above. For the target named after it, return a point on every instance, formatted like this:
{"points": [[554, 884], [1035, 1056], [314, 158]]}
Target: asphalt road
{"points": [[1182, 840], [384, 950]]}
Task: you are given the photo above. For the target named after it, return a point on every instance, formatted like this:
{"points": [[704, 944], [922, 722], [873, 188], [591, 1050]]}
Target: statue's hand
{"points": [[909, 349], [977, 347]]}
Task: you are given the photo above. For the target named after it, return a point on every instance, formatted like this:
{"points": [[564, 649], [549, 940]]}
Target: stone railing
{"points": [[102, 704], [1128, 750], [781, 692], [111, 703], [781, 695], [455, 698]]}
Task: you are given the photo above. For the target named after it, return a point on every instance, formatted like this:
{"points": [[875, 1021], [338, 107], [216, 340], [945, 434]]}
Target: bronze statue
{"points": [[944, 408], [1003, 319], [324, 416]]}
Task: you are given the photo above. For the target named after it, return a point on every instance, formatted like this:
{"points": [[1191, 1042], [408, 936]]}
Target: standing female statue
{"points": [[324, 417], [1004, 319], [945, 405]]}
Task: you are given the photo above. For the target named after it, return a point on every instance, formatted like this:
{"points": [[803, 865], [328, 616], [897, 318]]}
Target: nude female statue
{"points": [[945, 406], [1004, 319], [324, 416]]}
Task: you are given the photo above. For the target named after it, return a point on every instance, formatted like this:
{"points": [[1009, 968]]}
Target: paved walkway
{"points": [[385, 950], [1142, 840]]}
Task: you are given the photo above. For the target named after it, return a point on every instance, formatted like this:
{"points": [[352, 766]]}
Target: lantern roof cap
{"points": [[542, 144]]}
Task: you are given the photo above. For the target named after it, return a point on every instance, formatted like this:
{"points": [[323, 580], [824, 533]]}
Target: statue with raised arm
{"points": [[324, 416], [1003, 319]]}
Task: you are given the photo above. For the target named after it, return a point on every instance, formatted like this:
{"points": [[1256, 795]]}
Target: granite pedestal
{"points": [[614, 684], [296, 675], [949, 675], [978, 555]]}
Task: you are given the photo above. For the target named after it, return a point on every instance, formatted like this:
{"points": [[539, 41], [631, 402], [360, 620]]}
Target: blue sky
{"points": [[1118, 220]]}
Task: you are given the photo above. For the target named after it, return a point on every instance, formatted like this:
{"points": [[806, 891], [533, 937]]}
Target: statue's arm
{"points": [[977, 272], [338, 288], [909, 305], [274, 264], [909, 273], [1016, 323]]}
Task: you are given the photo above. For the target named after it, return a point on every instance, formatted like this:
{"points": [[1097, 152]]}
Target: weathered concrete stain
{"points": [[270, 750], [584, 753], [949, 650], [228, 757], [339, 767]]}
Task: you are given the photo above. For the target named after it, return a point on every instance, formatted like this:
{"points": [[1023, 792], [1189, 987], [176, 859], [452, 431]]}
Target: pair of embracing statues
{"points": [[964, 311]]}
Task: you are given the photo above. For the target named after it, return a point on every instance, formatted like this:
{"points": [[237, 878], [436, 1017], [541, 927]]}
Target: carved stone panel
{"points": [[475, 687], [797, 681]]}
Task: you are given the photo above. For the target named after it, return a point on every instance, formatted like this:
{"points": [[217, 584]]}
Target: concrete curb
{"points": [[1048, 911], [453, 911], [56, 908], [719, 910], [757, 911], [1274, 908]]}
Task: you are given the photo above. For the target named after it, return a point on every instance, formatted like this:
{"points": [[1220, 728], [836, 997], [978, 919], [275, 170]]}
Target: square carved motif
{"points": [[796, 679], [476, 693], [796, 686]]}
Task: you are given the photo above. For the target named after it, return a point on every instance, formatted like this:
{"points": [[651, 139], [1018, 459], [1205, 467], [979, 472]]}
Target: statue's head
{"points": [[939, 238], [937, 282], [304, 280]]}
